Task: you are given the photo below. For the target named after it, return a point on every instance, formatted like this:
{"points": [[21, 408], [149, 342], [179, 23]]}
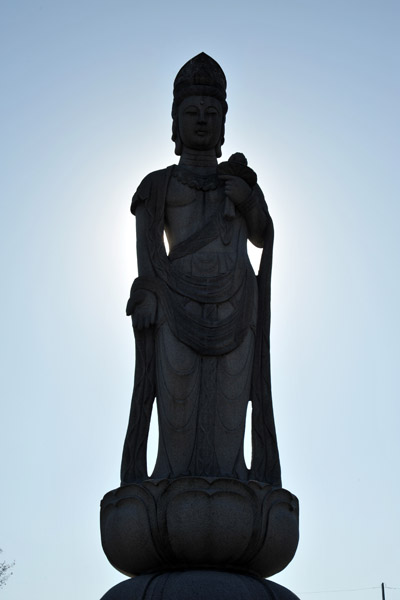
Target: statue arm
{"points": [[142, 303], [250, 202], [255, 211], [144, 263]]}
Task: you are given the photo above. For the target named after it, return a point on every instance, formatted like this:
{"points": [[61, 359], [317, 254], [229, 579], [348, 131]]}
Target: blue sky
{"points": [[313, 94]]}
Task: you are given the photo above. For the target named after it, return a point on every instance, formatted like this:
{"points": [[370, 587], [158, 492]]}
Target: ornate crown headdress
{"points": [[200, 76]]}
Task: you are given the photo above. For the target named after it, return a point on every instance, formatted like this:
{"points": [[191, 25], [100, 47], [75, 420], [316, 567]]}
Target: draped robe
{"points": [[207, 355]]}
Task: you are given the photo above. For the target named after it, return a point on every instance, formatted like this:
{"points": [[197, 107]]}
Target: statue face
{"points": [[200, 120]]}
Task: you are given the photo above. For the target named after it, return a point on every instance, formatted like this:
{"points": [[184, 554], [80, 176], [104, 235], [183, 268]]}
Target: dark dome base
{"points": [[198, 585]]}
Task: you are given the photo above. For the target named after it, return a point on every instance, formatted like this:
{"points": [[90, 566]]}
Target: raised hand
{"points": [[236, 189]]}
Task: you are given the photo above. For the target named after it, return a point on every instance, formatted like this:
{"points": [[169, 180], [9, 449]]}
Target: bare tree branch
{"points": [[5, 571]]}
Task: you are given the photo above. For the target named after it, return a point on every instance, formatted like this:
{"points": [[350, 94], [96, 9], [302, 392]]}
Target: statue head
{"points": [[200, 84]]}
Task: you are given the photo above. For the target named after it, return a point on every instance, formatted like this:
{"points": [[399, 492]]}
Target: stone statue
{"points": [[202, 525], [200, 315]]}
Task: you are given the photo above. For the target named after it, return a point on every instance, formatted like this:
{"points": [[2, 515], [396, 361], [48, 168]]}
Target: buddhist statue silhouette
{"points": [[200, 315], [202, 525]]}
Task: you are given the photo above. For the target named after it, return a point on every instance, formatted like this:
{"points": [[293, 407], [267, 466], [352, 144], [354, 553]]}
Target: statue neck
{"points": [[198, 158]]}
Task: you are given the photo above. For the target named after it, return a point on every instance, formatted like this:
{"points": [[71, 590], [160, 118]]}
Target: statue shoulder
{"points": [[152, 181]]}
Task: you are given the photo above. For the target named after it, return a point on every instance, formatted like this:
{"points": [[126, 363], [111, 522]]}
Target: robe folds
{"points": [[208, 353]]}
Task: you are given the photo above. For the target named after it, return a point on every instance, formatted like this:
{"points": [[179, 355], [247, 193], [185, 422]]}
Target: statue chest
{"points": [[188, 209]]}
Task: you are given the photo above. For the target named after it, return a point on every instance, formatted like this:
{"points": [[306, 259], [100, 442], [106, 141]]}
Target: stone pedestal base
{"points": [[198, 585], [199, 523]]}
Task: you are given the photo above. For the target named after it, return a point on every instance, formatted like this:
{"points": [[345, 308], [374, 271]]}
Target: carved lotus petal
{"points": [[209, 528]]}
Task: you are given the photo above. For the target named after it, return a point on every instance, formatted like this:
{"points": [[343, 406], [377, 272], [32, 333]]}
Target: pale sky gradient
{"points": [[313, 94]]}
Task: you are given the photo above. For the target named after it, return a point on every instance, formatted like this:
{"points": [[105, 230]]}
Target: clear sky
{"points": [[313, 93]]}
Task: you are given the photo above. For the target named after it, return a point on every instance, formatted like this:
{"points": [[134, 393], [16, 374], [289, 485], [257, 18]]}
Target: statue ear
{"points": [[218, 147], [178, 142], [178, 146]]}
